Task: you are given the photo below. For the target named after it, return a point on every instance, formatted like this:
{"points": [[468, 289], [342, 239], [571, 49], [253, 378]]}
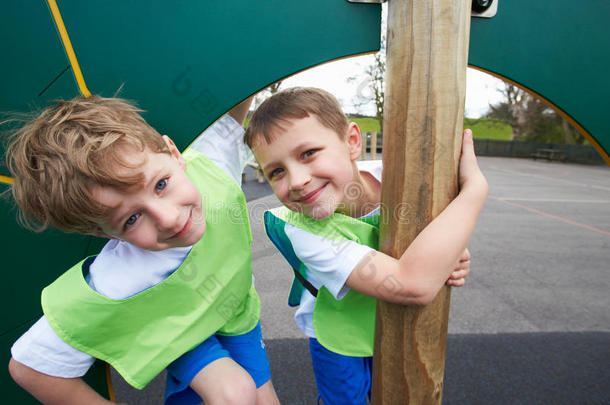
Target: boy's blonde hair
{"points": [[59, 155], [296, 102]]}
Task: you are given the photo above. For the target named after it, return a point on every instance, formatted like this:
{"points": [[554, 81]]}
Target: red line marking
{"points": [[546, 214]]}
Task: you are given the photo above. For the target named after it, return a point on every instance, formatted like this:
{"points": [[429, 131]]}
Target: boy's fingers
{"points": [[467, 142], [462, 265], [459, 274], [465, 259], [456, 283]]}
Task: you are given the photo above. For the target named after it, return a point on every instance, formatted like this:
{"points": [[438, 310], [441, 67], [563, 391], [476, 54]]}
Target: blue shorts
{"points": [[248, 350], [341, 380]]}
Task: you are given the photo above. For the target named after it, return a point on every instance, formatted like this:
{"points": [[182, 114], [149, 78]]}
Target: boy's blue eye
{"points": [[309, 153], [161, 185], [132, 220]]}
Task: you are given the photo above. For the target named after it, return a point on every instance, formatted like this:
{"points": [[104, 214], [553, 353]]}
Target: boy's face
{"points": [[164, 211], [309, 166]]}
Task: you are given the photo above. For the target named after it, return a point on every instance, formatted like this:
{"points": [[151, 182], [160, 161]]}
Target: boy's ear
{"points": [[354, 141], [174, 151]]}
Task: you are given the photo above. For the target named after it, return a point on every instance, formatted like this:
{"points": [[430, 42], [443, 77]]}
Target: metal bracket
{"points": [[488, 12], [368, 1]]}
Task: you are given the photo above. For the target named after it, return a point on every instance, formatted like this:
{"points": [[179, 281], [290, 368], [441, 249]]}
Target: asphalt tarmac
{"points": [[532, 324]]}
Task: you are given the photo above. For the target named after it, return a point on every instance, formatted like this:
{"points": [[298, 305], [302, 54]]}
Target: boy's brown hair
{"points": [[295, 102], [56, 157]]}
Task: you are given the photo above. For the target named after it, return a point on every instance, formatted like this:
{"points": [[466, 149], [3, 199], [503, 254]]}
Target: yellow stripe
{"points": [[80, 80], [111, 396], [6, 179], [63, 33]]}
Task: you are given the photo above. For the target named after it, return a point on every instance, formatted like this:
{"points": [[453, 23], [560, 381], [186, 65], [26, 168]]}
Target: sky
{"points": [[481, 88]]}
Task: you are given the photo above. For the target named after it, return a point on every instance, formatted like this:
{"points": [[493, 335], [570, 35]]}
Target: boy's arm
{"points": [[240, 111], [54, 390], [417, 276], [223, 142]]}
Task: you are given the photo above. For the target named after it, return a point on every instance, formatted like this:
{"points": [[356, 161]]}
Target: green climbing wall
{"points": [[186, 62], [559, 50]]}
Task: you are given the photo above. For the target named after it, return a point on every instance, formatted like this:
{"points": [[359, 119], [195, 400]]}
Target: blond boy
{"points": [[173, 286]]}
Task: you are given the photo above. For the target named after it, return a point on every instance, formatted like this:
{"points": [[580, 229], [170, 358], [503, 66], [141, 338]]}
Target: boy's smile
{"points": [[309, 166], [163, 211]]}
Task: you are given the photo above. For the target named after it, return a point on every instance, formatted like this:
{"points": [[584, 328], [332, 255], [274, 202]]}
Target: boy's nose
{"points": [[165, 215], [299, 179]]}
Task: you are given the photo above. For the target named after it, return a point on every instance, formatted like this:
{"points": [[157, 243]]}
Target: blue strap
{"points": [[275, 231]]}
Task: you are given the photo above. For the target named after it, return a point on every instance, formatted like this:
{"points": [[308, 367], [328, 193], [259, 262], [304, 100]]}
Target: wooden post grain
{"points": [[427, 57]]}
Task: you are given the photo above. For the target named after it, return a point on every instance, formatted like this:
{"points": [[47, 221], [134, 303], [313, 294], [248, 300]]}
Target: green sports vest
{"points": [[345, 326], [211, 292]]}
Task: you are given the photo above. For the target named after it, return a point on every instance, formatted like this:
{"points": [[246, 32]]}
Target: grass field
{"points": [[487, 128], [482, 128], [366, 124]]}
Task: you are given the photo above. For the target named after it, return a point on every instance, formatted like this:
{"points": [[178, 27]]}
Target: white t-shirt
{"points": [[328, 263], [121, 270]]}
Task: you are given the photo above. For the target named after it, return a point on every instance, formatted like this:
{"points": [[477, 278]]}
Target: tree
{"points": [[531, 119], [512, 109], [266, 93]]}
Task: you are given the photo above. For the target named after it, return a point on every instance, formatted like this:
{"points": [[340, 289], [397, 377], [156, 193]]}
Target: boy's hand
{"points": [[470, 173], [458, 277]]}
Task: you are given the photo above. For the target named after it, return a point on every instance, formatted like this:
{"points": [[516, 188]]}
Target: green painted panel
{"points": [[558, 49], [185, 62], [13, 394], [188, 62], [32, 57], [30, 261]]}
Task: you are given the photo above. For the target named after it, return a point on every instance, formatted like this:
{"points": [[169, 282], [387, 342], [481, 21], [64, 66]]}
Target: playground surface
{"points": [[532, 324]]}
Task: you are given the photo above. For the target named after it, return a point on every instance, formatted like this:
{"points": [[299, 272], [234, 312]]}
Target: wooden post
{"points": [[373, 145], [427, 57], [363, 153]]}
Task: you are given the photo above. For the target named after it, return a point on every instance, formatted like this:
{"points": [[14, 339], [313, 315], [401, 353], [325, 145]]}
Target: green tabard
{"points": [[211, 292], [345, 326]]}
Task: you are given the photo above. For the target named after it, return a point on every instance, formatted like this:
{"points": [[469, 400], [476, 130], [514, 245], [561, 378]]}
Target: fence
{"points": [[489, 147], [573, 153]]}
